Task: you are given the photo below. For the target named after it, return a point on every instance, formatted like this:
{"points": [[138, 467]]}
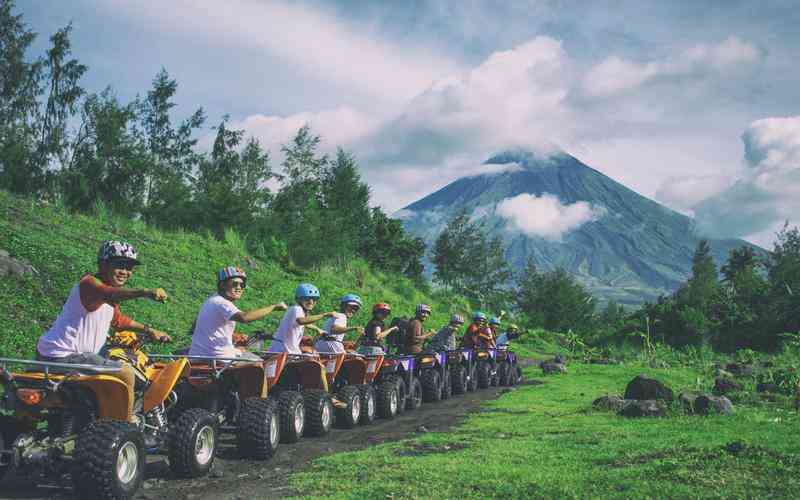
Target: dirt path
{"points": [[234, 478]]}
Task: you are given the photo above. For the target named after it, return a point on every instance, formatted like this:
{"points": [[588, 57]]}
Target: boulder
{"points": [[740, 369], [9, 266], [687, 400], [706, 405], [644, 387], [643, 408], [724, 386], [768, 387], [609, 402], [549, 367]]}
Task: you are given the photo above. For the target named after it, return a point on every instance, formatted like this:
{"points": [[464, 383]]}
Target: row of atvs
{"points": [[71, 419]]}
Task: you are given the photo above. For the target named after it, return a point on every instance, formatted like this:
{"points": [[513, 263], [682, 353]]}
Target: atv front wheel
{"points": [[447, 385], [192, 443], [484, 375], [504, 374], [472, 382], [8, 433], [517, 375], [348, 416], [458, 376], [292, 416], [259, 431], [368, 409], [319, 412], [414, 400], [431, 386], [388, 400], [109, 460], [402, 394]]}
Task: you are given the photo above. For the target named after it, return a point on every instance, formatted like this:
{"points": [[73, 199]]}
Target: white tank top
{"points": [[77, 330]]}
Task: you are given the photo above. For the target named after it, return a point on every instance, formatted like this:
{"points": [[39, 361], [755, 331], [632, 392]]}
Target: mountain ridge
{"points": [[632, 250]]}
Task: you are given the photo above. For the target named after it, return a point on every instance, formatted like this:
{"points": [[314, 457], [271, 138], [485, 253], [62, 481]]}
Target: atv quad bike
{"points": [[234, 391], [73, 418], [485, 367], [401, 371], [461, 363], [508, 370], [432, 371]]}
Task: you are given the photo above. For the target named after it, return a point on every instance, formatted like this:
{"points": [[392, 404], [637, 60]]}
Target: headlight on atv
{"points": [[30, 397], [427, 359]]}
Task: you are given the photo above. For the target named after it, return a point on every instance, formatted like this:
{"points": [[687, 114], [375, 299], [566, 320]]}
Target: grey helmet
{"points": [[111, 250]]}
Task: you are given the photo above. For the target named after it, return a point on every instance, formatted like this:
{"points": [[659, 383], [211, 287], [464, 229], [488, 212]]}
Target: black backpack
{"points": [[397, 339]]}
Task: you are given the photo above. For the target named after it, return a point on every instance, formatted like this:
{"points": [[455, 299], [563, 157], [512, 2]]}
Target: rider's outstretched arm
{"points": [[257, 314]]}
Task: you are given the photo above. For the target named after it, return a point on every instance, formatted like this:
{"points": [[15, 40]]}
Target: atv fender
{"points": [[111, 395], [163, 382]]}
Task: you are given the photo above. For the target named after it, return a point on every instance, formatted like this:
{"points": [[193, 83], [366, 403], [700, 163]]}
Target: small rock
{"points": [[644, 387], [242, 476], [687, 400], [720, 405], [740, 369], [643, 408], [550, 367], [9, 266], [724, 386], [608, 403], [217, 473], [768, 387], [422, 428]]}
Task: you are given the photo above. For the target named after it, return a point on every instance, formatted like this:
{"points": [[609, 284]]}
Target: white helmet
{"points": [[117, 250]]}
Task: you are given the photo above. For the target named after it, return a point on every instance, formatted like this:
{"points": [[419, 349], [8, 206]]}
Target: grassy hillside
{"points": [[544, 441], [62, 246]]}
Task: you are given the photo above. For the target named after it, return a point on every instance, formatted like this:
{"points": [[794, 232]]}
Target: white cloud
{"points": [[615, 75], [404, 214], [768, 193], [685, 192], [324, 45], [545, 216]]}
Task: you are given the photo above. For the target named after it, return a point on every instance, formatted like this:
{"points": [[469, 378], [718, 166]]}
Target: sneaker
{"points": [[337, 403]]}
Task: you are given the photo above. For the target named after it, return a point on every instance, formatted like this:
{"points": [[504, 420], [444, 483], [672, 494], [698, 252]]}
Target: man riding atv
{"points": [[372, 341], [510, 334], [92, 309], [215, 324], [415, 336], [290, 331], [336, 327], [445, 339], [478, 334]]}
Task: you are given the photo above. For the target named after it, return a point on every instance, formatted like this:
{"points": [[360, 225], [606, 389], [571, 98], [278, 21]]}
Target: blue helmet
{"points": [[351, 298], [478, 315], [494, 321], [306, 291]]}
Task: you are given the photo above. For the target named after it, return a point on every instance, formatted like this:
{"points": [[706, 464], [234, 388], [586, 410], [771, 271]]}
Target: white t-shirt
{"points": [[213, 330], [290, 333], [322, 345]]}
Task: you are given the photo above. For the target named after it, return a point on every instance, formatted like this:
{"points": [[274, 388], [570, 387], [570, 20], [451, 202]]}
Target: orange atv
{"points": [[234, 390], [73, 418]]}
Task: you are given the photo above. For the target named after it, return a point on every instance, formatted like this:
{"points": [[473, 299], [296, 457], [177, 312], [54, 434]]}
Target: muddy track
{"points": [[233, 477]]}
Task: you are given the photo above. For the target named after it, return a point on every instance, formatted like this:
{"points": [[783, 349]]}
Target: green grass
{"points": [[62, 246], [544, 441]]}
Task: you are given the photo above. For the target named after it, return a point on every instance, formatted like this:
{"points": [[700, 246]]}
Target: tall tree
{"points": [[347, 212]]}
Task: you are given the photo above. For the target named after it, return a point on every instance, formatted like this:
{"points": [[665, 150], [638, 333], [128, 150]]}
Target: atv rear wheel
{"points": [[192, 443], [458, 377], [109, 460], [414, 399], [402, 394], [472, 382], [368, 406], [259, 430], [431, 386], [8, 433], [292, 416], [388, 399], [504, 373], [483, 375], [348, 416], [516, 375], [319, 412]]}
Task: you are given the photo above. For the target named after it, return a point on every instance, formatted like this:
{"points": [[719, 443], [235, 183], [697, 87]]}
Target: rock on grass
{"points": [[608, 403], [644, 387], [643, 408], [707, 405], [724, 386]]}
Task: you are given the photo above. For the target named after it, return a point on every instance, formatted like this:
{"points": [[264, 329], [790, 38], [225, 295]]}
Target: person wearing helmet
{"points": [[214, 327], [509, 335], [445, 339], [92, 309], [372, 342], [477, 329], [290, 331], [415, 336], [335, 327]]}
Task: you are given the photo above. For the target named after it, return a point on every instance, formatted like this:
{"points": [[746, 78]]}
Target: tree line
{"points": [[62, 143]]}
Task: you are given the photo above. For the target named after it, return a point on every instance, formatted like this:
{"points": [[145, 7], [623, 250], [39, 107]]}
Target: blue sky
{"points": [[665, 97]]}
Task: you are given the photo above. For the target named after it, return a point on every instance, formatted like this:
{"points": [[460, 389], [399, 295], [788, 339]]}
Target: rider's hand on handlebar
{"points": [[159, 336], [281, 306], [329, 314], [159, 295]]}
